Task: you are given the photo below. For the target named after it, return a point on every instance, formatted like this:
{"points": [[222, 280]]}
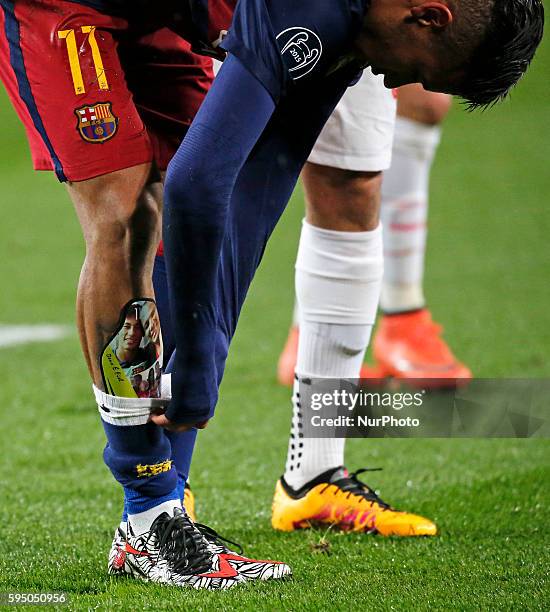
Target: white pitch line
{"points": [[13, 335]]}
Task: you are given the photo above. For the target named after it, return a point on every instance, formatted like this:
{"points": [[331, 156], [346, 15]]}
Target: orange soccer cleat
{"points": [[409, 345], [287, 360], [340, 499], [189, 502]]}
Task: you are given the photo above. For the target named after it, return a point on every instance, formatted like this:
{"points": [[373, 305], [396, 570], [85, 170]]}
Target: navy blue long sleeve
{"points": [[198, 190], [224, 195]]}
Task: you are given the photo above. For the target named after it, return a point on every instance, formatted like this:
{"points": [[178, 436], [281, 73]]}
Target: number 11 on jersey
{"points": [[74, 60]]}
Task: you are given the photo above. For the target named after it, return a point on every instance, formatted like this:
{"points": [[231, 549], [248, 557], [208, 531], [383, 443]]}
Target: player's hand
{"points": [[162, 421]]}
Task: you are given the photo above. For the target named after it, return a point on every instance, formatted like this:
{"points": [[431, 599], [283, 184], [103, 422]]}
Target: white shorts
{"points": [[359, 133]]}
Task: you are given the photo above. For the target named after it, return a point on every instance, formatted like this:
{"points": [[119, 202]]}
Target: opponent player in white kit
{"points": [[339, 273]]}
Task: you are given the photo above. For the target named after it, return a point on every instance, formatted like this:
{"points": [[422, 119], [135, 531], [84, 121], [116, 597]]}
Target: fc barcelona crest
{"points": [[96, 122]]}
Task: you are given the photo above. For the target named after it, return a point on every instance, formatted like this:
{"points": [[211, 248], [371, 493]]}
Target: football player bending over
{"points": [[236, 169], [342, 204], [288, 65]]}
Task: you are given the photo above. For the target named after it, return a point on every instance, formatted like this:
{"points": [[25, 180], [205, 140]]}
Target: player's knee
{"points": [[118, 210], [342, 200], [423, 106], [364, 189], [143, 220], [133, 231], [435, 108]]}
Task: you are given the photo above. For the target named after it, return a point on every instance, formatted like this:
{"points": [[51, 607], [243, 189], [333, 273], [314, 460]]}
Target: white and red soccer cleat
{"points": [[179, 552], [172, 552]]}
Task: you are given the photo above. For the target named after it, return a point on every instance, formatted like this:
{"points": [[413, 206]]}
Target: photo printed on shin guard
{"points": [[131, 361]]}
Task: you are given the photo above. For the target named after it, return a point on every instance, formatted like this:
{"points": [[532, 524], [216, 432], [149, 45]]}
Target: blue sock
{"points": [[139, 457], [183, 445]]}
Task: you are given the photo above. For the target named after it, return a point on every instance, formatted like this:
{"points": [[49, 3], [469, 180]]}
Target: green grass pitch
{"points": [[488, 281]]}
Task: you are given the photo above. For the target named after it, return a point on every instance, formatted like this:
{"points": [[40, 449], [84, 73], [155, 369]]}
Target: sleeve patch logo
{"points": [[96, 123], [301, 50]]}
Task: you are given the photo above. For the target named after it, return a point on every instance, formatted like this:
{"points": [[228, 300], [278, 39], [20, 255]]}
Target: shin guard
{"points": [[132, 360], [138, 453]]}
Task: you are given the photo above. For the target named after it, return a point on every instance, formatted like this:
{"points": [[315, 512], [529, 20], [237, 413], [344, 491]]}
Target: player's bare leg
{"points": [[120, 215], [120, 218], [338, 278], [106, 164], [408, 342], [342, 200]]}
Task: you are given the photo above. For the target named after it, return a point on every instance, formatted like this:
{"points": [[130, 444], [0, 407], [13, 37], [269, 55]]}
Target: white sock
{"points": [[338, 276], [404, 214], [331, 351], [141, 522]]}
